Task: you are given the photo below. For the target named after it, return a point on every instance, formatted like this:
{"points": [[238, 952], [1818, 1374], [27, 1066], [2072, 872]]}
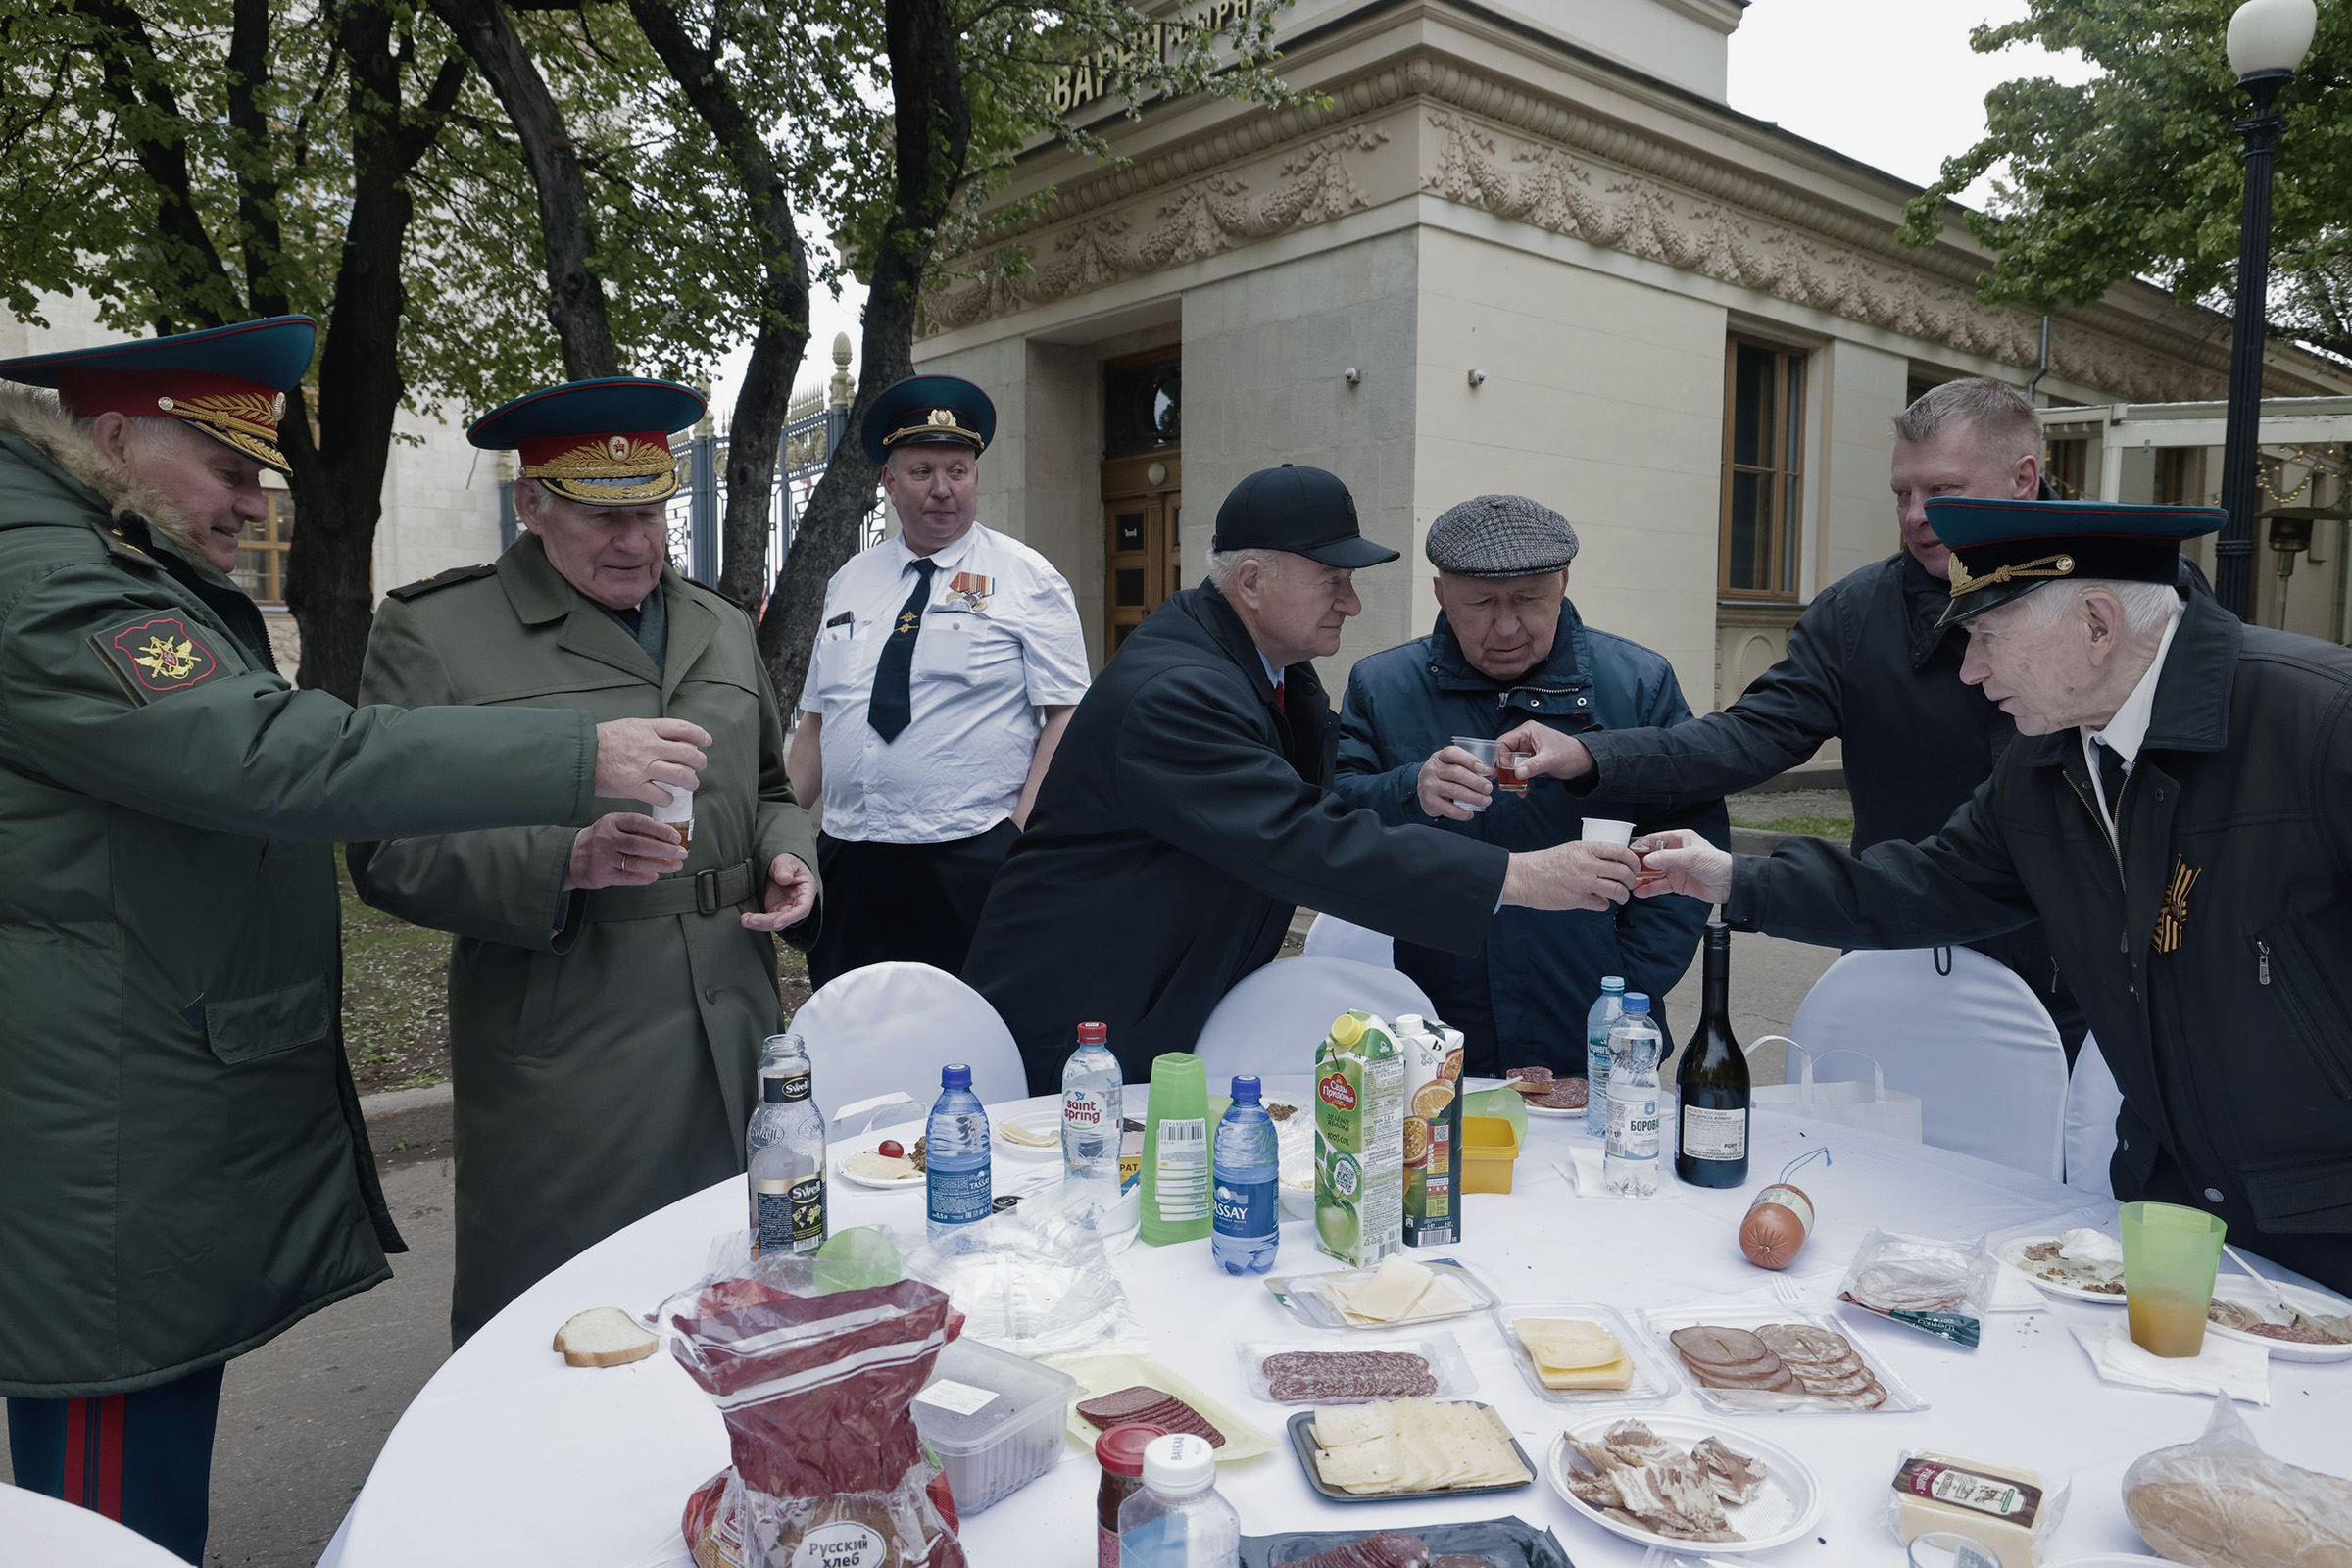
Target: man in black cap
{"points": [[1508, 646], [2173, 812], [1189, 811], [948, 664]]}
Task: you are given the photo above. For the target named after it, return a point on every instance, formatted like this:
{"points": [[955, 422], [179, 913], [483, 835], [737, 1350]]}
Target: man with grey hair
{"points": [[1870, 664], [2173, 814], [1509, 646], [1188, 813]]}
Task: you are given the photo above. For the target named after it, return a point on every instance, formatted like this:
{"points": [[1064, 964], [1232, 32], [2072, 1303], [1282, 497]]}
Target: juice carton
{"points": [[1432, 1131], [1359, 1141]]}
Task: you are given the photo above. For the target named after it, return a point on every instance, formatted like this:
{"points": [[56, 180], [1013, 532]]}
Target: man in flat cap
{"points": [[1190, 810], [1509, 646], [945, 669], [608, 988], [2173, 812], [185, 1170]]}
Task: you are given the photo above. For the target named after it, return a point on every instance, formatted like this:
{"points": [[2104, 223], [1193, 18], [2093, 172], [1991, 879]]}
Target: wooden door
{"points": [[1142, 519]]}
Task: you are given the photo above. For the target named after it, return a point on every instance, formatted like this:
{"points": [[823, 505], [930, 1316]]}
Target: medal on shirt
{"points": [[970, 591]]}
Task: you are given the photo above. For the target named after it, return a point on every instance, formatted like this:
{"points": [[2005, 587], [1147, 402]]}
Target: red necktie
{"points": [[1280, 707]]}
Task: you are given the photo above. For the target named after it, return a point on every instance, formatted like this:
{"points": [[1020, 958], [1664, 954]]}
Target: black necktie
{"points": [[891, 707], [2111, 783]]}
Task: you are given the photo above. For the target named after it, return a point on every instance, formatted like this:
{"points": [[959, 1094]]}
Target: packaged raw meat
{"points": [[1940, 1288]]}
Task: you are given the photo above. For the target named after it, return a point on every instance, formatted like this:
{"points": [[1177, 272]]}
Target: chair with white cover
{"points": [[1961, 1032], [2094, 1098], [1329, 936], [888, 1028], [1272, 1021]]}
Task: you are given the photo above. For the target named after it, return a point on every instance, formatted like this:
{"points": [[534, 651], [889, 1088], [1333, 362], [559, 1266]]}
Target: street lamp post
{"points": [[2268, 39]]}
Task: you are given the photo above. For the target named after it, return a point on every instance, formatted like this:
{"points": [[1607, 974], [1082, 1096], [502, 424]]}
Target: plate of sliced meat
{"points": [[1547, 1095], [1113, 1390], [1674, 1481], [1744, 1360], [2314, 1327]]}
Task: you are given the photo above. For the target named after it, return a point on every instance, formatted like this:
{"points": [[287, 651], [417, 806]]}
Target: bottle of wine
{"points": [[1711, 1143]]}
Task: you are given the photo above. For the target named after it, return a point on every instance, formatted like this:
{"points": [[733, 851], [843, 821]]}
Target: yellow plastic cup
{"points": [[2170, 1255]]}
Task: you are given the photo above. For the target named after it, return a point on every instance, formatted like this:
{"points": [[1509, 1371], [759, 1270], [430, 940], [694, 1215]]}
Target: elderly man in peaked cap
{"points": [[610, 987], [1190, 810], [2173, 812], [1509, 646], [185, 1171]]}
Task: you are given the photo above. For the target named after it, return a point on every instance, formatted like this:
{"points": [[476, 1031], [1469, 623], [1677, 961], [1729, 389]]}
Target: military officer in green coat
{"points": [[610, 989], [183, 1170]]}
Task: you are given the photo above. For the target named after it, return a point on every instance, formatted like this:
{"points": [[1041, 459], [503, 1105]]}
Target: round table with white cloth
{"points": [[508, 1457], [40, 1532]]}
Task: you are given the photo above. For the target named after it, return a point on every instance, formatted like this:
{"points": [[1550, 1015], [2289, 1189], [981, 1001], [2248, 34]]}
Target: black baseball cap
{"points": [[1306, 511]]}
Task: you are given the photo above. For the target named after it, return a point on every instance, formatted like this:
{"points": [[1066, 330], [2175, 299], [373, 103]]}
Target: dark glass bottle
{"points": [[1710, 1139]]}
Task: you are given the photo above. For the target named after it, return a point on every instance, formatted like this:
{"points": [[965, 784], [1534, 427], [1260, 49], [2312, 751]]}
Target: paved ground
{"points": [[302, 1418]]}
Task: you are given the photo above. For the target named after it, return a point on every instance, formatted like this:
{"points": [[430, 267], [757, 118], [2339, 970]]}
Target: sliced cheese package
{"points": [[1399, 1291], [1574, 1354], [1400, 1446], [2009, 1511]]}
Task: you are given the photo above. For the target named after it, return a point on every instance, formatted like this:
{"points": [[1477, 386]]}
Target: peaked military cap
{"points": [[2002, 549], [228, 382], [924, 410], [604, 441]]}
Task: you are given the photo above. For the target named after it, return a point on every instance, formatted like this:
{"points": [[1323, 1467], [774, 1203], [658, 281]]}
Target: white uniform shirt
{"points": [[2123, 733], [981, 672]]}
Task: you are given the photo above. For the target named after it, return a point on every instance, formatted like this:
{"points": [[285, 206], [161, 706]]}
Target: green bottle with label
{"points": [[1176, 1173]]}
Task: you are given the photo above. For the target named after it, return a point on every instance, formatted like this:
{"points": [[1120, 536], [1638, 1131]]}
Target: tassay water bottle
{"points": [[1598, 1021], [956, 1159], [1246, 1199]]}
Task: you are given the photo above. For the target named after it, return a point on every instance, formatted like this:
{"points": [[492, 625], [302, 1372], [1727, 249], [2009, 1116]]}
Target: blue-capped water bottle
{"points": [[1247, 1172], [1598, 1020], [956, 1142]]}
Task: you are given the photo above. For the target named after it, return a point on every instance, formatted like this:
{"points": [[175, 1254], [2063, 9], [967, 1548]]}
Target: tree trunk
{"points": [[575, 292], [933, 137], [754, 435]]}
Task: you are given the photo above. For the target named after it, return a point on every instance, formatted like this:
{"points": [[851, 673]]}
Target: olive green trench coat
{"points": [[604, 1044]]}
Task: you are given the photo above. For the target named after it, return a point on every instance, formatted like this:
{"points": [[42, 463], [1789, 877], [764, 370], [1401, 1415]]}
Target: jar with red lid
{"points": [[1120, 1453]]}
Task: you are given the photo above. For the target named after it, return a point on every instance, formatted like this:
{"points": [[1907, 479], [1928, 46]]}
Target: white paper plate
{"points": [[2239, 1288], [1783, 1510], [843, 1153], [1045, 1122], [2117, 1559], [1550, 1113], [2011, 1250]]}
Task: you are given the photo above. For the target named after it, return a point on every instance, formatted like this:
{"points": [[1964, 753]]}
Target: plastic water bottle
{"points": [[1598, 1020], [957, 1154], [1093, 1104], [1246, 1198], [1629, 1159], [1178, 1520]]}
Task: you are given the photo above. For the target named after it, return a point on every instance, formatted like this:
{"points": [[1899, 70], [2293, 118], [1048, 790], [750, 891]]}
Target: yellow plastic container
{"points": [[1490, 1152]]}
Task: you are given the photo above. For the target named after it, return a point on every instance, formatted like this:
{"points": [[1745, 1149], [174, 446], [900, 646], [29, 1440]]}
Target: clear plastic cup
{"points": [[678, 813], [1489, 755], [2170, 1255], [1605, 830]]}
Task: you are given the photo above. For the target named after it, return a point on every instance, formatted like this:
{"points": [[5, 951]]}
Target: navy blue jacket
{"points": [[1523, 996]]}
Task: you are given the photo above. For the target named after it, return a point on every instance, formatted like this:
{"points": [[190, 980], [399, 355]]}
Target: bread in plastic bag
{"points": [[2221, 1503], [814, 1384], [1940, 1288]]}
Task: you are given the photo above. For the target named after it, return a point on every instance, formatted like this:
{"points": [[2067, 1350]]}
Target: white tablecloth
{"points": [[508, 1456], [39, 1531]]}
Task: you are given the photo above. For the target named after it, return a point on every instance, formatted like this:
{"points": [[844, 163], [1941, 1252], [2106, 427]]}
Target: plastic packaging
{"points": [[1178, 1520], [2221, 1503], [1245, 1222], [815, 1388], [1176, 1152], [1499, 1104], [1490, 1153], [1940, 1288], [1507, 1542], [1034, 1281], [956, 1181], [993, 1420], [1440, 1352], [2010, 1515], [1598, 1020]]}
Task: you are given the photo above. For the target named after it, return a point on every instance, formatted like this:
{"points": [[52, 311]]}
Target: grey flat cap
{"points": [[1500, 536]]}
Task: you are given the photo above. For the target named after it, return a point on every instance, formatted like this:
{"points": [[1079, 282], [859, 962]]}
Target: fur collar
{"points": [[33, 414]]}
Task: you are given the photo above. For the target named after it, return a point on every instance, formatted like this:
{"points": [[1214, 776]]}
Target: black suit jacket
{"points": [[1183, 820]]}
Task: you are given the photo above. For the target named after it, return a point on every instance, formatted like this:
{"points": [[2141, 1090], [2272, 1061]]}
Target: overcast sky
{"points": [[1893, 82]]}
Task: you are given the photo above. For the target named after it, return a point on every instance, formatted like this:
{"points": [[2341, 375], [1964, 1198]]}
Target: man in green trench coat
{"points": [[183, 1170], [610, 989]]}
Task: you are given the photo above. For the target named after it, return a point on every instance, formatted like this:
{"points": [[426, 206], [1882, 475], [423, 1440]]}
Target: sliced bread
{"points": [[603, 1336]]}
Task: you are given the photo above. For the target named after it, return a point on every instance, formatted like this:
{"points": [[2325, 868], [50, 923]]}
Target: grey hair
{"points": [[2146, 606], [1223, 563], [2000, 414]]}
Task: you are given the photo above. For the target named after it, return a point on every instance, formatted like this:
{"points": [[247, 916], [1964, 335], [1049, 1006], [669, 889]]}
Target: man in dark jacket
{"points": [[1189, 812], [184, 1168], [1509, 646], [2173, 812], [1868, 665]]}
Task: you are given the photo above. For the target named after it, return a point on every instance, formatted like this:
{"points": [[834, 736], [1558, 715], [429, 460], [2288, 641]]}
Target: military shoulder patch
{"points": [[157, 655], [440, 579]]}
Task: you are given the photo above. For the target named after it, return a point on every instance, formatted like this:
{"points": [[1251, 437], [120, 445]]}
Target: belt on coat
{"points": [[704, 893]]}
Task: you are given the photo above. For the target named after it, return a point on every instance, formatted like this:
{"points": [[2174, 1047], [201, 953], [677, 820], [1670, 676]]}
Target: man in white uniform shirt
{"points": [[944, 672]]}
